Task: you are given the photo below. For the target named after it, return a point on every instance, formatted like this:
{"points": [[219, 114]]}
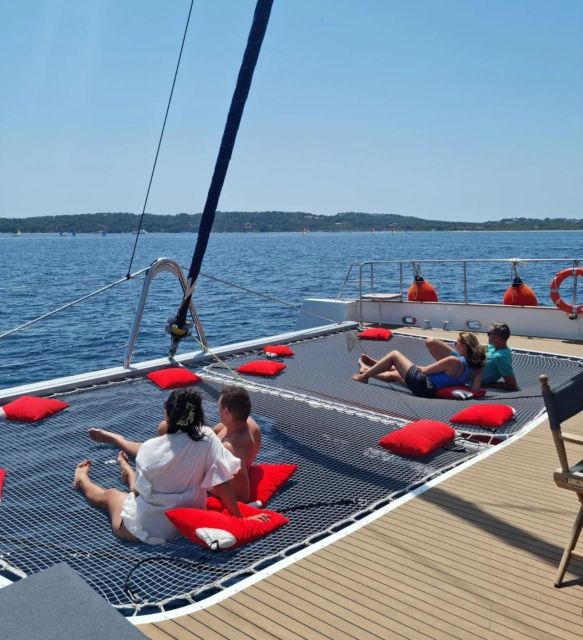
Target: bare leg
{"points": [[129, 447], [366, 362], [128, 475], [111, 500], [383, 368], [439, 349]]}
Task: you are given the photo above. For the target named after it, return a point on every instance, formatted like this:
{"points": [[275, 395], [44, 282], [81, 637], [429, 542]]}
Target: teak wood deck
{"points": [[473, 557]]}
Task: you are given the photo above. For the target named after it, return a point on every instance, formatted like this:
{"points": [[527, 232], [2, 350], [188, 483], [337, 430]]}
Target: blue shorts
{"points": [[418, 383]]}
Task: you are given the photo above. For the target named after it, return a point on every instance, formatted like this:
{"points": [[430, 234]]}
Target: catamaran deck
{"points": [[473, 557]]}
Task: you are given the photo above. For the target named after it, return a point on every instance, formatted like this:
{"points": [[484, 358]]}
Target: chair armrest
{"points": [[571, 437]]}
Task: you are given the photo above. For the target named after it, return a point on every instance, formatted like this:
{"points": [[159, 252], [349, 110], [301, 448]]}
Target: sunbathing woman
{"points": [[172, 470], [424, 381]]}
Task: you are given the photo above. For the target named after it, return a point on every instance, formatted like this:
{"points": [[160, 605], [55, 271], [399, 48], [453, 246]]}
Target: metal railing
{"points": [[161, 265], [367, 276]]}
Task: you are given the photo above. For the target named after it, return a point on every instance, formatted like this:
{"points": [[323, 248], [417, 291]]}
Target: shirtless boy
{"points": [[239, 433]]}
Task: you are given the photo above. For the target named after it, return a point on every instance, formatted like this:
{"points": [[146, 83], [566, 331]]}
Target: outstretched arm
{"points": [[226, 495]]}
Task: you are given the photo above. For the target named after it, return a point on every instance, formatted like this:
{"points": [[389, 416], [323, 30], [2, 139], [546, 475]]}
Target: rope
{"points": [[361, 502], [71, 304], [135, 598], [267, 297], [160, 141]]}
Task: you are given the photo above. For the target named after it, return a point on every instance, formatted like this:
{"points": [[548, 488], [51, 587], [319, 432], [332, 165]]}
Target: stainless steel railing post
{"points": [[160, 265]]}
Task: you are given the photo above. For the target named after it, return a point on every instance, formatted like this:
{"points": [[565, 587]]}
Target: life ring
{"points": [[556, 296]]}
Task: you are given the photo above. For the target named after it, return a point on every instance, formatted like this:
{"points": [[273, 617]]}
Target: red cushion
{"points": [[376, 334], [262, 368], [264, 481], [485, 415], [2, 476], [32, 409], [418, 438], [218, 530], [279, 350], [459, 393], [173, 377]]}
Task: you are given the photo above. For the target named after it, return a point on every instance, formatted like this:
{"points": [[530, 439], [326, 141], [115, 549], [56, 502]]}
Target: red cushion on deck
{"points": [[262, 368], [173, 377], [485, 415], [32, 408], [264, 481], [418, 438], [281, 350], [375, 334], [218, 530], [459, 393]]}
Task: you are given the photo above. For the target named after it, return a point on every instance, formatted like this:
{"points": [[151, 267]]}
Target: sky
{"points": [[466, 110]]}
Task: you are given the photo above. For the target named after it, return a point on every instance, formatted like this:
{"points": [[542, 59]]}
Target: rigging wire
{"points": [[160, 140], [74, 302]]}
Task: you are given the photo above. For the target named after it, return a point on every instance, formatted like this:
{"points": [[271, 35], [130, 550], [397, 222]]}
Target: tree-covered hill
{"points": [[238, 221]]}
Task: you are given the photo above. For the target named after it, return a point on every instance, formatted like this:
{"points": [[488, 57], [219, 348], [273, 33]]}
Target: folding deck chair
{"points": [[563, 403]]}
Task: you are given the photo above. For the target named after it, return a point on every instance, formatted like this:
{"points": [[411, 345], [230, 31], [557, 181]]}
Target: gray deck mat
{"points": [[56, 604], [342, 472], [322, 367]]}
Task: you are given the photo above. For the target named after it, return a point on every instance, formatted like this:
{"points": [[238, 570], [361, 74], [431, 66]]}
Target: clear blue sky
{"points": [[442, 109]]}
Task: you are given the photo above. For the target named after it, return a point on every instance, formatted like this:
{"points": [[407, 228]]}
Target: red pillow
{"points": [[173, 377], [376, 334], [2, 476], [418, 438], [262, 368], [217, 530], [459, 393], [264, 481], [32, 409], [485, 415], [279, 350]]}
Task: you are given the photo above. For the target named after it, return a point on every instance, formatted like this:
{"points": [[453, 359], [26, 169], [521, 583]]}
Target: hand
{"points": [[263, 517]]}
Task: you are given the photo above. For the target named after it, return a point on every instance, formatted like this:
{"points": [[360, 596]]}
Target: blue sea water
{"points": [[41, 272]]}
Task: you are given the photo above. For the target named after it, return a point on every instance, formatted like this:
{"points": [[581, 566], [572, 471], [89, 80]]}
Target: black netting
{"points": [[342, 472], [322, 367]]}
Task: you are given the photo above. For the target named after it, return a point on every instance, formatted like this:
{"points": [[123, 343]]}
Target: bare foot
{"points": [[81, 473], [360, 377], [101, 435], [366, 361], [125, 467]]}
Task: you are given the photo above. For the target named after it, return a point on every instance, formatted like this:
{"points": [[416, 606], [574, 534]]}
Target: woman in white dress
{"points": [[173, 470]]}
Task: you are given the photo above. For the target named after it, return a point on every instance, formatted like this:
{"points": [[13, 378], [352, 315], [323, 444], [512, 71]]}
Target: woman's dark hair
{"points": [[185, 413]]}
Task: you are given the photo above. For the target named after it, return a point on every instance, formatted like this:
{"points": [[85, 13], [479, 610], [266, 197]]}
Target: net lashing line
{"points": [[322, 367], [73, 303], [342, 474]]}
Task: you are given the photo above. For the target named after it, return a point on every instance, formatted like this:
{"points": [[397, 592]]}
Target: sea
{"points": [[253, 285]]}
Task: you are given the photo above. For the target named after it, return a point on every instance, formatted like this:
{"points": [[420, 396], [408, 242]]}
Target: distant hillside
{"points": [[261, 221]]}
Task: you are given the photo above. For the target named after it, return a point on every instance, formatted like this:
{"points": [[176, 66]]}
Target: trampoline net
{"points": [[342, 473]]}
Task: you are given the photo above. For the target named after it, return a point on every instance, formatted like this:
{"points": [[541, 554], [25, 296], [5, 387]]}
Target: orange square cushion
{"points": [[218, 530], [375, 334], [279, 350], [418, 438], [262, 368], [32, 408], [173, 377], [485, 415]]}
